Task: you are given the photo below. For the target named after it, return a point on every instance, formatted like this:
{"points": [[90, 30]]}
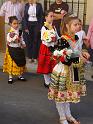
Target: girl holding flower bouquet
{"points": [[14, 62], [49, 39], [67, 78]]}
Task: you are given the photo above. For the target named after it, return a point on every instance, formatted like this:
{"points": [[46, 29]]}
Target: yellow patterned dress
{"points": [[67, 81], [10, 66]]}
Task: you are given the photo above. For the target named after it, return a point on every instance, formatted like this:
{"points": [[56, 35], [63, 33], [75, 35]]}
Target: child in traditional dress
{"points": [[14, 62], [67, 78], [48, 37]]}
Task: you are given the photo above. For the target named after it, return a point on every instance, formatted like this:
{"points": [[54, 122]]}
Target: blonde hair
{"points": [[67, 20]]}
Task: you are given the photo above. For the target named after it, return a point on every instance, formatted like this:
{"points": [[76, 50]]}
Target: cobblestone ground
{"points": [[27, 103], [31, 67]]}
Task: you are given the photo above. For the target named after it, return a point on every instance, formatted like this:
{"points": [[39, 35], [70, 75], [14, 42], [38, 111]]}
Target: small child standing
{"points": [[67, 78], [49, 37], [81, 34], [14, 61]]}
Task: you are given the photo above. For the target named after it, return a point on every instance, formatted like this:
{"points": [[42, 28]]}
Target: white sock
{"points": [[60, 108], [47, 79], [68, 111], [10, 76]]}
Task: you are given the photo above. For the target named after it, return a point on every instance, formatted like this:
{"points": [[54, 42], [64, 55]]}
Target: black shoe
{"points": [[21, 79], [10, 80], [46, 85]]}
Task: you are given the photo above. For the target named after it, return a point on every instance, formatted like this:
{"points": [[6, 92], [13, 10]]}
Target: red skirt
{"points": [[45, 61]]}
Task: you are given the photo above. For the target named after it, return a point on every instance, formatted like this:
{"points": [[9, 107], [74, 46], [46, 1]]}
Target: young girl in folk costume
{"points": [[48, 37], [14, 62], [67, 78]]}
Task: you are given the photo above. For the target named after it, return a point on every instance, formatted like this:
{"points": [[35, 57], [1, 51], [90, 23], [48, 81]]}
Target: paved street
{"points": [[27, 103]]}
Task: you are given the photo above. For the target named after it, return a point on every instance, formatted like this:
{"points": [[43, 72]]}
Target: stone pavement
{"points": [[31, 67], [27, 102]]}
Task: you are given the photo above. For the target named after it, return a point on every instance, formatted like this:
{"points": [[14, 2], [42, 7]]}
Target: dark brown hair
{"points": [[12, 18], [47, 12]]}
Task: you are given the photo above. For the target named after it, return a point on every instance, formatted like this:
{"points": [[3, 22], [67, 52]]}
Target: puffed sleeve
{"points": [[12, 37]]}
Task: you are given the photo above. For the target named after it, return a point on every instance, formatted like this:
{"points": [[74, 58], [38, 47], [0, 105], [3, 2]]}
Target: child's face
{"points": [[50, 17], [74, 25], [80, 26], [15, 24]]}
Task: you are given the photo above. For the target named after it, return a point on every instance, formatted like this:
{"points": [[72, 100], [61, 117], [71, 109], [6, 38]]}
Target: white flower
{"points": [[69, 52], [56, 53], [61, 52]]}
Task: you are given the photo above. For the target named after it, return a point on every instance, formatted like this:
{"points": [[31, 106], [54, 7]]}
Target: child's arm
{"points": [[85, 56], [86, 42]]}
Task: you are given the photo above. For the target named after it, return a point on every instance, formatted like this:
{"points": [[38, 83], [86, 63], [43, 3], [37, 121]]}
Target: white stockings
{"points": [[47, 79]]}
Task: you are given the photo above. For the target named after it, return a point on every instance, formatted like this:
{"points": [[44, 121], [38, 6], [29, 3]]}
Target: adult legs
{"points": [[36, 41], [33, 40]]}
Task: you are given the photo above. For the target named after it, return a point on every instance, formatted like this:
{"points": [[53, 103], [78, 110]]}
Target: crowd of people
{"points": [[58, 45]]}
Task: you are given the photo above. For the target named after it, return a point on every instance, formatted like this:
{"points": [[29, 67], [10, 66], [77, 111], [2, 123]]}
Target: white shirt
{"points": [[81, 34], [9, 9], [32, 13], [10, 40]]}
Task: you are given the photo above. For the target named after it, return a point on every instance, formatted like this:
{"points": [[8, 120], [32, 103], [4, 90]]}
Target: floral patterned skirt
{"points": [[63, 87], [11, 67]]}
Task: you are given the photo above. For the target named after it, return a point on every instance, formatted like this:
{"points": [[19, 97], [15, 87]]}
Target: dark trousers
{"points": [[32, 40], [58, 30]]}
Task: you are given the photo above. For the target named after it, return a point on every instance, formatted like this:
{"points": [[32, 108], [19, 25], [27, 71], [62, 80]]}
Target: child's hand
{"points": [[83, 59], [86, 55], [23, 45], [18, 39], [27, 31], [85, 38]]}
